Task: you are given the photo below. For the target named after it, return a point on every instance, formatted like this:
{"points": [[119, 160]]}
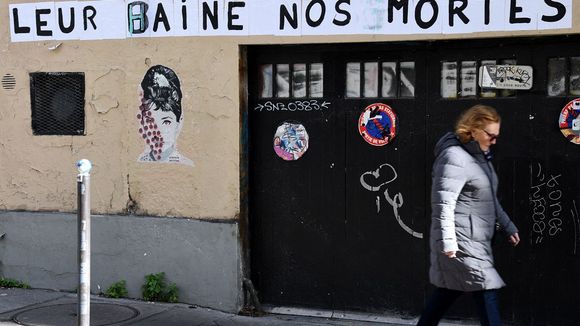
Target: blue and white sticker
{"points": [[290, 141]]}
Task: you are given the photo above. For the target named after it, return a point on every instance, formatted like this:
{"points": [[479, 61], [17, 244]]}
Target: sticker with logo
{"points": [[569, 121], [290, 141], [378, 124]]}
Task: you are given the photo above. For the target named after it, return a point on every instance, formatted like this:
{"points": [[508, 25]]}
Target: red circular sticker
{"points": [[569, 121], [378, 124]]}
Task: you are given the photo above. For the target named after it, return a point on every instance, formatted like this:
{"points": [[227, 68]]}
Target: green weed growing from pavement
{"points": [[11, 283], [117, 290], [156, 289]]}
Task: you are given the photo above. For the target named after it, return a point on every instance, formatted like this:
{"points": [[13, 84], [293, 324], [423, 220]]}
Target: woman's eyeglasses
{"points": [[491, 136]]}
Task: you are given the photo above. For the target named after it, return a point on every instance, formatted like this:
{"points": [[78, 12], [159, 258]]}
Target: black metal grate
{"points": [[58, 101], [8, 82]]}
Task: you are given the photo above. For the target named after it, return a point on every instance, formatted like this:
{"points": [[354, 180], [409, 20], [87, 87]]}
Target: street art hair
{"points": [[161, 90], [476, 117]]}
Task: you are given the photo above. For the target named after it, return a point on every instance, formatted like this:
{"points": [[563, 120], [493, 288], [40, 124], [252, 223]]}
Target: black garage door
{"points": [[340, 149]]}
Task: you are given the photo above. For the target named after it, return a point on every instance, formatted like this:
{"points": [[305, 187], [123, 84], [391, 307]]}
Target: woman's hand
{"points": [[450, 254], [514, 239]]}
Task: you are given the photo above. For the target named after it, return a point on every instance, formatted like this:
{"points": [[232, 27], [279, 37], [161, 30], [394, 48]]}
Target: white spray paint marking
{"points": [[308, 105], [396, 202], [377, 174], [546, 197]]}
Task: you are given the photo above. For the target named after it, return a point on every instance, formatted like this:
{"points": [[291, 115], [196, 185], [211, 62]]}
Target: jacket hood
{"points": [[448, 140], [472, 147]]}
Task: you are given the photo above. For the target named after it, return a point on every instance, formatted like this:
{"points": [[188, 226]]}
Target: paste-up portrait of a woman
{"points": [[161, 116]]}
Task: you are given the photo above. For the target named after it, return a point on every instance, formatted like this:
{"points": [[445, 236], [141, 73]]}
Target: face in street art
{"points": [[160, 116]]}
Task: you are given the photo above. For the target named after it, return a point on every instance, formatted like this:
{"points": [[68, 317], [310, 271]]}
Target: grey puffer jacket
{"points": [[464, 209]]}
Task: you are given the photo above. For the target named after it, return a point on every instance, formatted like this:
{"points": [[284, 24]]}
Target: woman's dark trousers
{"points": [[442, 299]]}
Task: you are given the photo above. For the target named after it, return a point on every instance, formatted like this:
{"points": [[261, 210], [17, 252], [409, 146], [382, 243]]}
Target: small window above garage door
{"points": [[459, 79], [563, 76], [389, 79], [291, 80]]}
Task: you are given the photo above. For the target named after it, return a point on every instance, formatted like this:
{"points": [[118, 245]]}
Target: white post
{"points": [[84, 244]]}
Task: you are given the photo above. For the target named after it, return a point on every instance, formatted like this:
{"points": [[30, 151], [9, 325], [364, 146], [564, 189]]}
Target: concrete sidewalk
{"points": [[47, 308]]}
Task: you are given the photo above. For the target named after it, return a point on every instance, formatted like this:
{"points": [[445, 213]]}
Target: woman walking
{"points": [[465, 210]]}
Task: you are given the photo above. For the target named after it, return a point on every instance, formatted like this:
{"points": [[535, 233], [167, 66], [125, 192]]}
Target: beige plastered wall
{"points": [[37, 173]]}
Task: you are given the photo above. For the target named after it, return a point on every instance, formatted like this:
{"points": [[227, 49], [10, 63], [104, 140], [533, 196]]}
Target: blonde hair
{"points": [[476, 117]]}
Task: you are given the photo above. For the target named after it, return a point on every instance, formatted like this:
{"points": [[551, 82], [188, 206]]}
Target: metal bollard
{"points": [[84, 236]]}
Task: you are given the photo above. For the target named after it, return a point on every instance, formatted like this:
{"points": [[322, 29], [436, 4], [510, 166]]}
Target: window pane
{"points": [[507, 92], [407, 79], [575, 76], [266, 81], [488, 92], [316, 79], [353, 79], [557, 77], [468, 82], [449, 79], [299, 80], [283, 80], [389, 88], [371, 79]]}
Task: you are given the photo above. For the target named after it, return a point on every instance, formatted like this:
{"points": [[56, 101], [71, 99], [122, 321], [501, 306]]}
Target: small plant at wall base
{"points": [[117, 290], [10, 283], [156, 289]]}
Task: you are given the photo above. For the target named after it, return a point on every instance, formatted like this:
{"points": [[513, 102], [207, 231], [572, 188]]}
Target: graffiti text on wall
{"points": [[310, 105], [378, 179], [118, 19], [546, 199]]}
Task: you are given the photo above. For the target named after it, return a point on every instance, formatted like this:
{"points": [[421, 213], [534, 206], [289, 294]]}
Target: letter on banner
{"points": [[427, 16], [69, 20], [161, 18], [341, 9], [521, 15], [185, 18], [321, 17], [22, 22], [400, 17], [138, 18], [45, 21], [555, 14], [289, 17], [472, 10], [236, 17]]}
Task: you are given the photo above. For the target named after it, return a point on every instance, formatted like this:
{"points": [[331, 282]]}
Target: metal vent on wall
{"points": [[8, 82], [58, 101]]}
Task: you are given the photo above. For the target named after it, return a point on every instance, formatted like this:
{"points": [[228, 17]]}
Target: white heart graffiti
{"points": [[396, 202]]}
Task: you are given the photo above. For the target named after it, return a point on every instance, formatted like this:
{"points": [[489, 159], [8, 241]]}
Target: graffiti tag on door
{"points": [[310, 105], [379, 179], [547, 207]]}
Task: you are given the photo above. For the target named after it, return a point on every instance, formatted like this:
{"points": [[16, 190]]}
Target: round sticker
{"points": [[569, 121], [290, 141], [378, 124]]}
